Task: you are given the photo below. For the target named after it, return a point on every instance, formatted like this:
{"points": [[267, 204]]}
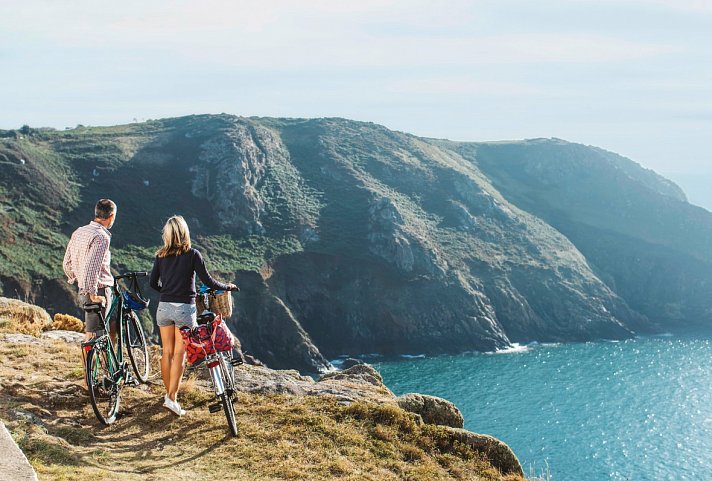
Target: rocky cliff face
{"points": [[349, 238]]}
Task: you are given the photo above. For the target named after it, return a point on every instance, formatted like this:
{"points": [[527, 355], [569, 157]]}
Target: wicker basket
{"points": [[219, 304]]}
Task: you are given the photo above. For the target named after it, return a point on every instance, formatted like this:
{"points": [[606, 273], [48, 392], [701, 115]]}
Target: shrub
{"points": [[65, 322]]}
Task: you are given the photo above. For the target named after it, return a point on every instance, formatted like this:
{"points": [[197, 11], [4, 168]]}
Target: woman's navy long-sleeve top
{"points": [[177, 277]]}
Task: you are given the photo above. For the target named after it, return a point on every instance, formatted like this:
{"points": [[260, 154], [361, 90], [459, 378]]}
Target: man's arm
{"points": [[95, 257], [67, 264]]}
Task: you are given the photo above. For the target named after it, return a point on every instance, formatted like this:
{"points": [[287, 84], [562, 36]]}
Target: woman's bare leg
{"points": [[177, 365], [167, 341]]}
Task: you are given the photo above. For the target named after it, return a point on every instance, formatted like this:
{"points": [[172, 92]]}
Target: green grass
{"points": [[226, 254]]}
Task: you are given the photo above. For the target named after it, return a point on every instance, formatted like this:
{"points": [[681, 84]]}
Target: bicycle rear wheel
{"points": [[103, 391], [137, 347]]}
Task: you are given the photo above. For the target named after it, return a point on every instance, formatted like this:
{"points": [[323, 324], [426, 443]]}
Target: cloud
{"points": [[284, 35]]}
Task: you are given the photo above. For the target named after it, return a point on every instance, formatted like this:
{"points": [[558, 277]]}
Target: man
{"points": [[87, 261]]}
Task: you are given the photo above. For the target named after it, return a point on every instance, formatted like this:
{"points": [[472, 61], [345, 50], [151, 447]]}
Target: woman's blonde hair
{"points": [[176, 237]]}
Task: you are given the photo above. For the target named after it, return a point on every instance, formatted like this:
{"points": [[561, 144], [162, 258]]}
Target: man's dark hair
{"points": [[104, 208]]}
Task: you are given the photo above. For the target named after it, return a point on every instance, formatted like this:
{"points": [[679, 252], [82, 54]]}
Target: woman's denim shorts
{"points": [[174, 314]]}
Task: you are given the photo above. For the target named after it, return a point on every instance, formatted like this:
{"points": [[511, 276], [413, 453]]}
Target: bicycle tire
{"points": [[104, 393], [137, 347], [228, 375], [229, 413]]}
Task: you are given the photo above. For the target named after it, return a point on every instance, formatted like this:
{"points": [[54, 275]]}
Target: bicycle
{"points": [[106, 370], [203, 340]]}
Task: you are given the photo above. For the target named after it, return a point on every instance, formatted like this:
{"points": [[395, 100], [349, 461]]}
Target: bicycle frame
{"points": [[116, 355]]}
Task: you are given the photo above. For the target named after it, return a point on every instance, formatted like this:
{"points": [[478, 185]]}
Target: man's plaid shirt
{"points": [[87, 258]]}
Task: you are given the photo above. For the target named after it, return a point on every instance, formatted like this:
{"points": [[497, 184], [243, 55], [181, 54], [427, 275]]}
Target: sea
{"points": [[634, 410]]}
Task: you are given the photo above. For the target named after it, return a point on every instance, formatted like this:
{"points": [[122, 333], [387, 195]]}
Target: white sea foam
{"points": [[513, 349], [412, 356]]}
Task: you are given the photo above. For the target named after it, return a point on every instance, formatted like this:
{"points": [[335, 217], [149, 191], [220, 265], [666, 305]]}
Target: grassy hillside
{"points": [[354, 238]]}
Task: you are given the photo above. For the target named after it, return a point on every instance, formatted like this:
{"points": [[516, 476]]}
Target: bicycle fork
{"points": [[216, 376], [218, 383]]}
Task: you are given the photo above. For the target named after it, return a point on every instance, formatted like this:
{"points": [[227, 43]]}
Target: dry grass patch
{"points": [[23, 318], [281, 437]]}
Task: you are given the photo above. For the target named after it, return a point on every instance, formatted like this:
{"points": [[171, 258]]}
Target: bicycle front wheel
{"points": [[103, 391], [137, 347], [229, 412]]}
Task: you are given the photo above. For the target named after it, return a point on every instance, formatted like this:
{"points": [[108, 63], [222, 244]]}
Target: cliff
{"points": [[349, 238]]}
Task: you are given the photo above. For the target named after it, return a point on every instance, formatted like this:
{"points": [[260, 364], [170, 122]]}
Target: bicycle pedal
{"points": [[215, 408]]}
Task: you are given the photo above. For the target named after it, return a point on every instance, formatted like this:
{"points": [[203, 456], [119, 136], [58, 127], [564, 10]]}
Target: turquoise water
{"points": [[637, 410]]}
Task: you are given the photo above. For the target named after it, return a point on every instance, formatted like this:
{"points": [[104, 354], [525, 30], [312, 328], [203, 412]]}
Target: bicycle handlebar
{"points": [[126, 275], [208, 290]]}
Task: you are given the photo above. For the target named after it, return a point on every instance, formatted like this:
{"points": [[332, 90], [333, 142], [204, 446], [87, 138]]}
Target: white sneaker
{"points": [[173, 406]]}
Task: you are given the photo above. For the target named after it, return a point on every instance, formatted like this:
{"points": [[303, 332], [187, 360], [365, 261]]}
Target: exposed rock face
{"points": [[246, 174], [268, 329], [432, 409], [229, 169]]}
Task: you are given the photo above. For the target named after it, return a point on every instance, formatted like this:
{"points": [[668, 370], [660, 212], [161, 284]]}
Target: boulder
{"points": [[432, 409], [495, 451], [350, 362], [363, 373], [69, 337], [19, 339]]}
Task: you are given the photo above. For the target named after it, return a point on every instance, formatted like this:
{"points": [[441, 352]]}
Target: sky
{"points": [[630, 76]]}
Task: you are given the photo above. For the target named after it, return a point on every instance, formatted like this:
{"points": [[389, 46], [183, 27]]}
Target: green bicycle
{"points": [[106, 370]]}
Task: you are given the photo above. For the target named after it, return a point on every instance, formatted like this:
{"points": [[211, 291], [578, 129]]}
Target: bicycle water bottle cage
{"points": [[206, 318]]}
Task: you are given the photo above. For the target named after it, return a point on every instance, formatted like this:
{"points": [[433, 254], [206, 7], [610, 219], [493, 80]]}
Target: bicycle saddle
{"points": [[93, 307], [206, 318]]}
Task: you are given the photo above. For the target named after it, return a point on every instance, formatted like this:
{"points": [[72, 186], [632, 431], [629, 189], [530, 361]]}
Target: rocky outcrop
{"points": [[359, 373], [495, 451], [432, 409], [230, 167], [246, 174]]}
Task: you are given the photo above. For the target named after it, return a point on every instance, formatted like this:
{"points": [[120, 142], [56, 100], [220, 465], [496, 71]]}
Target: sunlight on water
{"points": [[634, 410]]}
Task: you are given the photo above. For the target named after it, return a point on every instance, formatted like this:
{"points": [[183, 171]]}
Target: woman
{"points": [[173, 275]]}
